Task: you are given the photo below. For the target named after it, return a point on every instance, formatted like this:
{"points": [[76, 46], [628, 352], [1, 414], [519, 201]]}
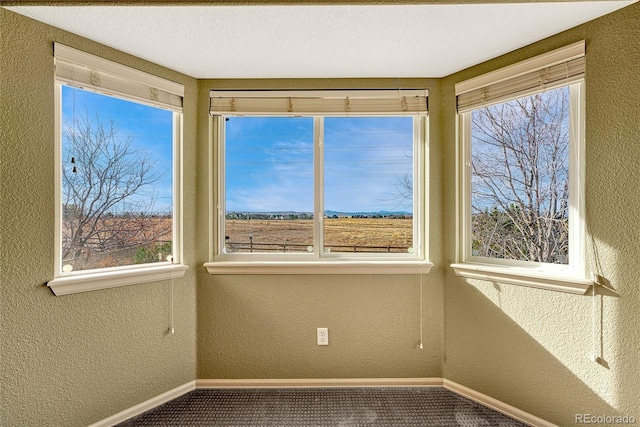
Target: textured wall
{"points": [[531, 348], [264, 326], [76, 359]]}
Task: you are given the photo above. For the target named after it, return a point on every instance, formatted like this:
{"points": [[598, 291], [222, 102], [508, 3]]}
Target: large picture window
{"points": [[118, 174], [521, 163], [321, 184]]}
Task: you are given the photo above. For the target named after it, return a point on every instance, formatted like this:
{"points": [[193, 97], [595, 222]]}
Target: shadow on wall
{"points": [[488, 351]]}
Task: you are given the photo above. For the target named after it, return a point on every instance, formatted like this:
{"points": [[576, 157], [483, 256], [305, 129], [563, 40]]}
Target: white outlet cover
{"points": [[323, 336]]}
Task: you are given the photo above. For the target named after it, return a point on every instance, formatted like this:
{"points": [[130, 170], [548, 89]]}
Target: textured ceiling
{"points": [[320, 41]]}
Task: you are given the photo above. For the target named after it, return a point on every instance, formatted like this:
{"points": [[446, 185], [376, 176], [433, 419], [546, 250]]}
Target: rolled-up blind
{"points": [[84, 70], [551, 70], [329, 102]]}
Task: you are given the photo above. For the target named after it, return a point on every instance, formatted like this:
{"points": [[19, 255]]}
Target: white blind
{"points": [[84, 70], [548, 71], [330, 102]]}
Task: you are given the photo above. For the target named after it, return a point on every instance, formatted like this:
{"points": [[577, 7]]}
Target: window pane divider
{"points": [[318, 188]]}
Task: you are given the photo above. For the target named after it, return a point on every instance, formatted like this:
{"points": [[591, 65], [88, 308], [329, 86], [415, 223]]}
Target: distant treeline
{"points": [[308, 215]]}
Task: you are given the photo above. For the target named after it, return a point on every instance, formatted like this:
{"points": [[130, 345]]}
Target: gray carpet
{"points": [[388, 406]]}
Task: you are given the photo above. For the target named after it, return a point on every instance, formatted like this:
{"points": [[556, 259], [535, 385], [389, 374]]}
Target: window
{"points": [[521, 173], [319, 177], [118, 174], [268, 185]]}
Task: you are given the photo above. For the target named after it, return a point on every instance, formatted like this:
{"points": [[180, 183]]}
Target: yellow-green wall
{"points": [[265, 326], [76, 359], [531, 348]]}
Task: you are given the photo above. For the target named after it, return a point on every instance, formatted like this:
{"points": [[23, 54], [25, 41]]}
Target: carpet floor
{"points": [[311, 407]]}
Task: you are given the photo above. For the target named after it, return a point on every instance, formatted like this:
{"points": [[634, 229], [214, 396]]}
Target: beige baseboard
{"points": [[319, 382], [146, 405], [496, 405], [325, 382]]}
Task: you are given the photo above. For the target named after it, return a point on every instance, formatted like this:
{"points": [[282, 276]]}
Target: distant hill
{"points": [[383, 213], [329, 213]]}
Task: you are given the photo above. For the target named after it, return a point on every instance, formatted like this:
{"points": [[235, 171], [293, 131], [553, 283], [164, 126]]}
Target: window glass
{"points": [[520, 179], [117, 181], [269, 184], [281, 173], [368, 184]]}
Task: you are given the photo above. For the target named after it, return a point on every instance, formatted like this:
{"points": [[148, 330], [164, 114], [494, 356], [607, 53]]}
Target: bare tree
{"points": [[108, 196], [520, 167], [403, 193]]}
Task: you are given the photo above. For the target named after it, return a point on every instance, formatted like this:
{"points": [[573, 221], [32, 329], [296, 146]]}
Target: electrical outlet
{"points": [[323, 336]]}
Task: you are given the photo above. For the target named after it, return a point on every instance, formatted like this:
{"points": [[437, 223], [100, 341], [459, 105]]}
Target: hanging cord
{"points": [[420, 345], [595, 353], [421, 313], [172, 329], [596, 327], [592, 260]]}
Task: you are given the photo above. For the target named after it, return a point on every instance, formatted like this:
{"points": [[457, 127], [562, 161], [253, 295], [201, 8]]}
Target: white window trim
{"points": [[319, 267], [104, 278], [532, 277], [114, 277], [571, 278], [316, 263]]}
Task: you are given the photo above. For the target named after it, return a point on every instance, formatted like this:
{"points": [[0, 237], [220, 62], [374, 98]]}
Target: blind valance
{"points": [[80, 69], [329, 102], [548, 71]]}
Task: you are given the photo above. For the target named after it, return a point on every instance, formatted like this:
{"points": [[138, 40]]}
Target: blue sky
{"points": [[537, 148], [149, 128], [269, 163]]}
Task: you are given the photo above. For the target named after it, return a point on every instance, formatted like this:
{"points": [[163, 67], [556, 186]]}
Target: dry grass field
{"points": [[341, 234]]}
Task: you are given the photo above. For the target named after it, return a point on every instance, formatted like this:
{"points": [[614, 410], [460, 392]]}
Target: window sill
{"points": [[319, 267], [524, 277], [113, 278]]}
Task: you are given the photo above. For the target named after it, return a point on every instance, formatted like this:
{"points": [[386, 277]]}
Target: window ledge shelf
{"points": [[110, 279], [319, 267], [524, 277]]}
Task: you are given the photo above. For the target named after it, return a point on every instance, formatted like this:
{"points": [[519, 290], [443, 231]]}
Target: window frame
{"points": [[316, 262], [570, 277], [102, 278]]}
